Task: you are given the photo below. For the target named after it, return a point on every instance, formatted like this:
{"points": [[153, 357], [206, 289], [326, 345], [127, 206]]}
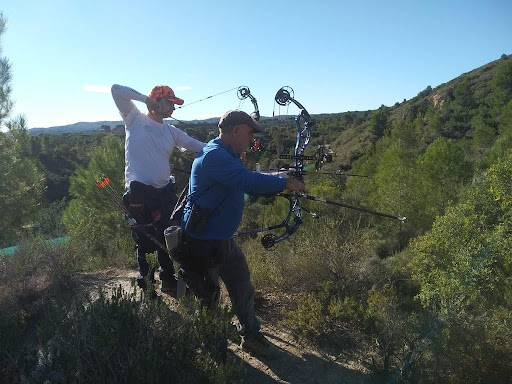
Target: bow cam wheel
{"points": [[243, 92], [268, 241]]}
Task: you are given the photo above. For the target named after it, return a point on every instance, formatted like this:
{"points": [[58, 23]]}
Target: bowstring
{"points": [[206, 98], [240, 104]]}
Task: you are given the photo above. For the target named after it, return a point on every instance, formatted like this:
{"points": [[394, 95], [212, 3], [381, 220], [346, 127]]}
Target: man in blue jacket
{"points": [[212, 215]]}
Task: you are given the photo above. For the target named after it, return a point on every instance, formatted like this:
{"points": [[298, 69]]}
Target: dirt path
{"points": [[293, 361]]}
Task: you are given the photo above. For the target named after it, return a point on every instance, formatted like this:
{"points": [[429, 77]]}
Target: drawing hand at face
{"points": [[162, 107], [153, 105]]}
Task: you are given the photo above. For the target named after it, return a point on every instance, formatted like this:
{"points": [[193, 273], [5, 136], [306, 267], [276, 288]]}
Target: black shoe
{"points": [[169, 286], [257, 345]]}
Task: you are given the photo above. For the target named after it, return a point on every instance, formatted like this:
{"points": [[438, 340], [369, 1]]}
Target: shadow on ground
{"points": [[289, 363]]}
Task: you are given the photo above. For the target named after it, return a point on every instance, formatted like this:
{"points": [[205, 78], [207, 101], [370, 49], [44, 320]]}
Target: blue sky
{"points": [[337, 55]]}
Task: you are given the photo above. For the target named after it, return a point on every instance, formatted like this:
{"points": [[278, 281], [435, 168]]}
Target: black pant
{"points": [[161, 200], [209, 260], [199, 258]]}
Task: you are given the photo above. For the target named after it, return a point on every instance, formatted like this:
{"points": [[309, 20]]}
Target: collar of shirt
{"points": [[230, 149]]}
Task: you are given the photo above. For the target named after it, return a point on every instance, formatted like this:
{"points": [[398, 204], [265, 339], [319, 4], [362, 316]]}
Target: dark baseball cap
{"points": [[235, 117]]}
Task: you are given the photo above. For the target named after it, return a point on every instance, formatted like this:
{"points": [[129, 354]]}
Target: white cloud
{"points": [[97, 88], [183, 88]]}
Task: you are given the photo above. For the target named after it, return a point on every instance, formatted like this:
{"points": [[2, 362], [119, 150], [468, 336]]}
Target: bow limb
{"points": [[284, 97], [244, 93], [295, 211]]}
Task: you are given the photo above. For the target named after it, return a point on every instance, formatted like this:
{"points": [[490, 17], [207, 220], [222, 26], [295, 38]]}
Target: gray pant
{"points": [[235, 274]]}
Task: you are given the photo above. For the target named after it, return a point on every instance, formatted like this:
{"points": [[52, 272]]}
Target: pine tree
{"points": [[21, 182], [502, 85], [5, 78], [94, 216], [379, 121]]}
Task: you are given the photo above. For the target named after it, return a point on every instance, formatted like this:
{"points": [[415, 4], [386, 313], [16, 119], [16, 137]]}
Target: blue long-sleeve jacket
{"points": [[218, 182]]}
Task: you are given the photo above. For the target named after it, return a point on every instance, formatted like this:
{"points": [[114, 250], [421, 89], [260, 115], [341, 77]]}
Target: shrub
{"points": [[464, 269], [323, 312], [37, 268], [121, 339]]}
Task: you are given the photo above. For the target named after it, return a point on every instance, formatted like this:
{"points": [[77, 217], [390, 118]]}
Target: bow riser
{"points": [[284, 97]]}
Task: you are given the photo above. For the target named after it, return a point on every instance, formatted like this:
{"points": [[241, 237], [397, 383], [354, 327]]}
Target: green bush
{"points": [[37, 268], [323, 312], [336, 247], [121, 339], [21, 185], [464, 269], [94, 217], [14, 358]]}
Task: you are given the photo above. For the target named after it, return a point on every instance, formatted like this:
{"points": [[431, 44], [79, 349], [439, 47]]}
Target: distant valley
{"points": [[95, 126]]}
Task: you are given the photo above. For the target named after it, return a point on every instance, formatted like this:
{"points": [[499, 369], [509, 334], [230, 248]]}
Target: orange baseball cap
{"points": [[163, 91]]}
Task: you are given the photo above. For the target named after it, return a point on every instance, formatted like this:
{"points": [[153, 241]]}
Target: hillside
{"points": [[351, 139]]}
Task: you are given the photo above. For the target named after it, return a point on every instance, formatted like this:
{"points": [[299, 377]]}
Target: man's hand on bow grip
{"points": [[295, 185]]}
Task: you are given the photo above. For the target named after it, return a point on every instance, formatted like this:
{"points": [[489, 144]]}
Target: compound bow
{"points": [[304, 122], [284, 97]]}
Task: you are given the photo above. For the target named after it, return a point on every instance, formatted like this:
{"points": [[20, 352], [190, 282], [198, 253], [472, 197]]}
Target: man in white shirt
{"points": [[148, 146]]}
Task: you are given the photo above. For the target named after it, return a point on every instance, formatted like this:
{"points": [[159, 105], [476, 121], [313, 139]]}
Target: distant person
{"points": [[213, 213], [150, 189]]}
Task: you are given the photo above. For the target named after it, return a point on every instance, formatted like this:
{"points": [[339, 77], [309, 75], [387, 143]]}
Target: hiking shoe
{"points": [[257, 344], [169, 286]]}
